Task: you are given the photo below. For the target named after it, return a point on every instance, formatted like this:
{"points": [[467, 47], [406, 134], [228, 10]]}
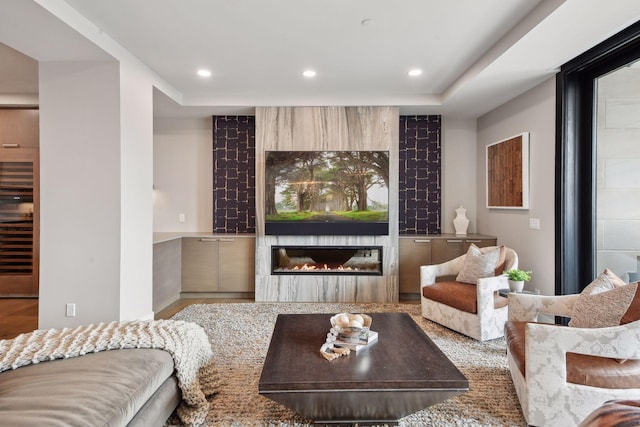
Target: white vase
{"points": [[516, 285], [460, 222]]}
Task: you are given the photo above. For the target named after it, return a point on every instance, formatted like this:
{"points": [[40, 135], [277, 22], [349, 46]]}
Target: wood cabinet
{"points": [[19, 222], [236, 264], [415, 251], [19, 128], [481, 243], [19, 202], [218, 264], [199, 264], [446, 249]]}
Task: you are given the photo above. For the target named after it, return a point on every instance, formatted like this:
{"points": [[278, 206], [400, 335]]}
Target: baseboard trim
{"points": [[219, 295]]}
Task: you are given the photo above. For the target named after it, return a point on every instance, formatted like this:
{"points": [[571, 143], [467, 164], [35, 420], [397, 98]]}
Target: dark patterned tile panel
{"points": [[234, 176], [419, 172]]}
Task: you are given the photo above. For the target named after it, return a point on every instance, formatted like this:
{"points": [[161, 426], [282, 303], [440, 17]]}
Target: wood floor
{"points": [[17, 315], [20, 315]]}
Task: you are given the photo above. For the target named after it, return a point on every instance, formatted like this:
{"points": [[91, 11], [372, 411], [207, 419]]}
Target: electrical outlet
{"points": [[534, 223], [71, 310], [182, 217]]}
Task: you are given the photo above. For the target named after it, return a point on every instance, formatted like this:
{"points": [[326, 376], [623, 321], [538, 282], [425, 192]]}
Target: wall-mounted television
{"points": [[327, 193]]}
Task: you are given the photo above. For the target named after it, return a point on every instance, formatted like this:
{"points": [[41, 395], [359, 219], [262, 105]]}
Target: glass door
{"points": [[617, 147]]}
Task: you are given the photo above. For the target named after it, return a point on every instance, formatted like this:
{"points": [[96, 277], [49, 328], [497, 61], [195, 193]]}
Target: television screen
{"points": [[327, 193]]}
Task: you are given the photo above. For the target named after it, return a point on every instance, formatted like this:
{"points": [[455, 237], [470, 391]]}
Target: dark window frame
{"points": [[575, 193]]}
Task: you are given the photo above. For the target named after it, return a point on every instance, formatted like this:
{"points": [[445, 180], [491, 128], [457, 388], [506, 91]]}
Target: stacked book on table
{"points": [[355, 341]]}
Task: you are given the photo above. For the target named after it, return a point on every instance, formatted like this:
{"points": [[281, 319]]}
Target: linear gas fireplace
{"points": [[329, 260]]}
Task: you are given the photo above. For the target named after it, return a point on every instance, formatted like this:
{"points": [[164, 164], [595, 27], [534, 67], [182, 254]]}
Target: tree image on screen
{"points": [[333, 186]]}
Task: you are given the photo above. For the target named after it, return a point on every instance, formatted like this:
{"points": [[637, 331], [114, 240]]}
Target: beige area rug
{"points": [[240, 335]]}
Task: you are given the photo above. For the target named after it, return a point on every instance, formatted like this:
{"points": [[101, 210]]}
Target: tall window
{"points": [[576, 159], [617, 141]]}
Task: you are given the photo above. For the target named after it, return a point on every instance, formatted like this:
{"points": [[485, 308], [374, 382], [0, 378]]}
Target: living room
{"points": [[142, 160], [112, 279]]}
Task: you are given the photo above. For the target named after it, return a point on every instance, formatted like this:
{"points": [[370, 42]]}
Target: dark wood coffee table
{"points": [[402, 373]]}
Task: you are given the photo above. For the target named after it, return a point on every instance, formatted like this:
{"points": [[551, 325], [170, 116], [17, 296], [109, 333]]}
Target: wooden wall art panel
{"points": [[508, 173]]}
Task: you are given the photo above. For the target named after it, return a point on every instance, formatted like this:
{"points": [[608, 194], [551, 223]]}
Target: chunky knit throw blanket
{"points": [[185, 341]]}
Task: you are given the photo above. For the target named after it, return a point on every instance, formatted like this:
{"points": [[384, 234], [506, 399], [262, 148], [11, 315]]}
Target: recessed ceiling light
{"points": [[415, 72], [204, 73], [309, 73]]}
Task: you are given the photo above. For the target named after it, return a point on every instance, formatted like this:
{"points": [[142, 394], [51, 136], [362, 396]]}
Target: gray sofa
{"points": [[129, 387]]}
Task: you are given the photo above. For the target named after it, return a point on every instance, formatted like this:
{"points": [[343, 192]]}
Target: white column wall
{"points": [[136, 249], [80, 192]]}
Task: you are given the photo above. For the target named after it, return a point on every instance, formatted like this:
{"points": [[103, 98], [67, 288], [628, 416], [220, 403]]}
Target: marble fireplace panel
{"points": [[327, 129]]}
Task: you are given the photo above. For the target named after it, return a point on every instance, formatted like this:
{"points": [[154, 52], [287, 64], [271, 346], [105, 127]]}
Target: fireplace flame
{"points": [[325, 267], [326, 260]]}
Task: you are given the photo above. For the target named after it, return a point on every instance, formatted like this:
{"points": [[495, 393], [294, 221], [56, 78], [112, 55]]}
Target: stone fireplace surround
{"points": [[315, 129]]}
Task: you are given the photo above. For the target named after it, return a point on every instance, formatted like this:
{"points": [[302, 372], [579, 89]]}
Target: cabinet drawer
{"points": [[199, 264], [479, 243], [413, 252], [237, 265], [446, 249], [20, 126]]}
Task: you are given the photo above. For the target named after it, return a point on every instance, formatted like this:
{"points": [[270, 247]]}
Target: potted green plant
{"points": [[517, 279]]}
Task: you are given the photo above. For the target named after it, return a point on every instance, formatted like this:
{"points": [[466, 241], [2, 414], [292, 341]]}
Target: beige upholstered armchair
{"points": [[467, 301], [563, 373]]}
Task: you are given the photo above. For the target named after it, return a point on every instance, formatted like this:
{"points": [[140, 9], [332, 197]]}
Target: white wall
{"points": [[183, 174], [183, 169], [80, 192], [96, 169], [136, 190], [533, 112], [458, 172]]}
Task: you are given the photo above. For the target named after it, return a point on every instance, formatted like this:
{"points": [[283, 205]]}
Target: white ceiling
{"points": [[475, 54]]}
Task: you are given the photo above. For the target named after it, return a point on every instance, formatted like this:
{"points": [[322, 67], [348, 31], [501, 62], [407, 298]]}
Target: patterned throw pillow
{"points": [[478, 264], [606, 281], [607, 301]]}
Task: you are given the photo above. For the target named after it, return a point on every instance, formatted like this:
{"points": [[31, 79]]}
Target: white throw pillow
{"points": [[478, 264]]}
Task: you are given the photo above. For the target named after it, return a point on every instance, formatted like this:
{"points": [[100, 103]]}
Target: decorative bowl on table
{"points": [[351, 327]]}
